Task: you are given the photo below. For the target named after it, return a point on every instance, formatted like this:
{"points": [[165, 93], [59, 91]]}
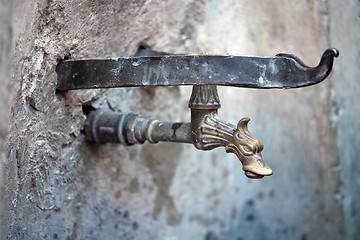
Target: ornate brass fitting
{"points": [[209, 132], [205, 131]]}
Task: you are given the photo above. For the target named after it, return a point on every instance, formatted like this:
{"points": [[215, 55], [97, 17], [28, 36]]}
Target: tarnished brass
{"points": [[209, 132], [236, 139], [204, 97], [205, 131]]}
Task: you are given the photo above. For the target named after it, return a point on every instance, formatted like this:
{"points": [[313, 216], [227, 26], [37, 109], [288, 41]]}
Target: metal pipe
{"points": [[129, 128]]}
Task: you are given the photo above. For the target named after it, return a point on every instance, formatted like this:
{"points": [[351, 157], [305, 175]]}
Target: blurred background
{"points": [[56, 185]]}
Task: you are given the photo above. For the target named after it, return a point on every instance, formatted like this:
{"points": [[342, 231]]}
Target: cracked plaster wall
{"points": [[58, 186]]}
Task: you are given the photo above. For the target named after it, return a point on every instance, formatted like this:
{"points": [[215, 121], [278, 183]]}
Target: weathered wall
{"points": [[60, 186], [5, 66], [344, 32]]}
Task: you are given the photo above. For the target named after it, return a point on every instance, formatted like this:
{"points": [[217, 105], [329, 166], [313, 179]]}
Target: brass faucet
{"points": [[205, 130]]}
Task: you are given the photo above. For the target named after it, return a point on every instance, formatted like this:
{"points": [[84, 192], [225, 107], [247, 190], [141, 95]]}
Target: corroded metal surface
{"points": [[130, 128], [281, 71]]}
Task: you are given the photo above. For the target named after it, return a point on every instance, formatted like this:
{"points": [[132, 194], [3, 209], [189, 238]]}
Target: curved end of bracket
{"points": [[315, 74], [327, 59], [322, 71], [331, 52]]}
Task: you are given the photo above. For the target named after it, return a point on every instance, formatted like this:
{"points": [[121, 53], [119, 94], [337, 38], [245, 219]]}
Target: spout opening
{"points": [[252, 175]]}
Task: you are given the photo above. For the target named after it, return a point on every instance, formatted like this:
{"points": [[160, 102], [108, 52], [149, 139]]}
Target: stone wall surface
{"points": [[5, 66], [59, 186], [344, 31]]}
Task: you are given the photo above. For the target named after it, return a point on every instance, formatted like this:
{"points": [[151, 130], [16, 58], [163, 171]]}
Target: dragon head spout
{"points": [[248, 149]]}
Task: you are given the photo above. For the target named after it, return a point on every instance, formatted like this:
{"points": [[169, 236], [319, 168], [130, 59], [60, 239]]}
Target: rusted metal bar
{"points": [[281, 71]]}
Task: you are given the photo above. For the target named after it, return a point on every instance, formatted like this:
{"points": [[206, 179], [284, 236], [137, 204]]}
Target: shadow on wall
{"points": [[249, 225], [249, 222]]}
